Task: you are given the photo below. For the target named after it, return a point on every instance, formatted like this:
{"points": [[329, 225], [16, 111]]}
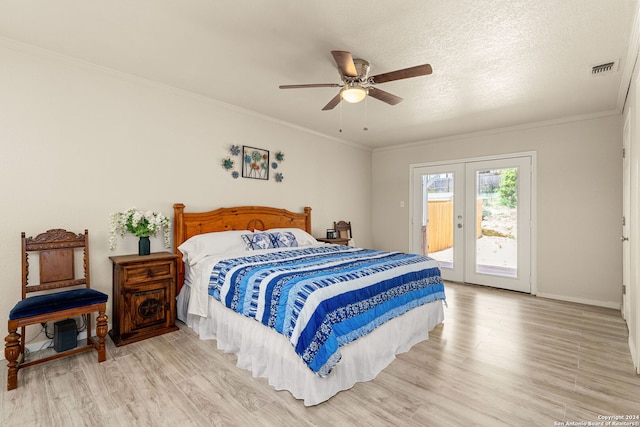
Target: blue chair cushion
{"points": [[50, 303]]}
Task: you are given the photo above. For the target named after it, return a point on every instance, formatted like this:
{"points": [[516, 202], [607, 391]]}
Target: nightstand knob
{"points": [[149, 273]]}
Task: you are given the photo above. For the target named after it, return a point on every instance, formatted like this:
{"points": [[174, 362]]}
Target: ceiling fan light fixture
{"points": [[353, 94]]}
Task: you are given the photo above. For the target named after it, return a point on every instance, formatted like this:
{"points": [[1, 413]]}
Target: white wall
{"points": [[78, 143], [579, 200]]}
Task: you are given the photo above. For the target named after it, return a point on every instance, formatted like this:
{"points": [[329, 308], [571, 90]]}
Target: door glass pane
{"points": [[437, 221], [496, 222]]}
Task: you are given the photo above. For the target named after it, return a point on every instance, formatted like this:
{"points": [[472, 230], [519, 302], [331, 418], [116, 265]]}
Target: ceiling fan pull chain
{"points": [[366, 114], [341, 117]]}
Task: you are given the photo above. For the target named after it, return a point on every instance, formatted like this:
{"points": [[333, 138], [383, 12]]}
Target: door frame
{"points": [[626, 216], [533, 219]]}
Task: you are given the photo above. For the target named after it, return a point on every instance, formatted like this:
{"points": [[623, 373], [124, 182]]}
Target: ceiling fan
{"points": [[356, 83]]}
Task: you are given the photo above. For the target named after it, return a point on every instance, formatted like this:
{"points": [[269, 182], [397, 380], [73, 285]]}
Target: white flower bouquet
{"points": [[140, 224]]}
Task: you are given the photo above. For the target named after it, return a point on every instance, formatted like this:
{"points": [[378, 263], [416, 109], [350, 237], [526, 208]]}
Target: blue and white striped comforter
{"points": [[323, 297]]}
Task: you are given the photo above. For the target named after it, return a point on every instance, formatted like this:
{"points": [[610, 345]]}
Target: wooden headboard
{"points": [[186, 225]]}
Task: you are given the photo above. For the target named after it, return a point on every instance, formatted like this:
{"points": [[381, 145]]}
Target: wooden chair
{"points": [[56, 250], [344, 229]]}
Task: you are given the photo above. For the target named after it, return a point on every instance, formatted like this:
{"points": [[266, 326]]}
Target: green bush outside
{"points": [[509, 188]]}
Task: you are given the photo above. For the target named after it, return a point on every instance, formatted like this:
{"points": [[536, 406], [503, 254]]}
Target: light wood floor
{"points": [[500, 358]]}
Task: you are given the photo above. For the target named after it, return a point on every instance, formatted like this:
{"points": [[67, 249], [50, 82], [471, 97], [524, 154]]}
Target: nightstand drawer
{"points": [[145, 273]]}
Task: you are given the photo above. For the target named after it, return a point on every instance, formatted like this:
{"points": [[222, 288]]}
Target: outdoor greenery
{"points": [[509, 188]]}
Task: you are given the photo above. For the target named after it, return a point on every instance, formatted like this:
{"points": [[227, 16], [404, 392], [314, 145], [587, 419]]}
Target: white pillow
{"points": [[203, 245], [302, 237]]}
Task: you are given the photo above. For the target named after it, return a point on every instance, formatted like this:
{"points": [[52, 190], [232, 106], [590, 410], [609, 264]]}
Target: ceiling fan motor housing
{"points": [[362, 69]]}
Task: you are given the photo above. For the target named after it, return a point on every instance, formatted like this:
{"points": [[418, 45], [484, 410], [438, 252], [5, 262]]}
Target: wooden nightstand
{"points": [[337, 241], [144, 294]]}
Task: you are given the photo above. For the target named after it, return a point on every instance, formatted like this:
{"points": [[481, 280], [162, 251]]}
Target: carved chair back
{"points": [[57, 250], [344, 229]]}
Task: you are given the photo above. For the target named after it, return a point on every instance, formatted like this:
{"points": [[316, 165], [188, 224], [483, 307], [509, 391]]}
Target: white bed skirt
{"points": [[266, 353]]}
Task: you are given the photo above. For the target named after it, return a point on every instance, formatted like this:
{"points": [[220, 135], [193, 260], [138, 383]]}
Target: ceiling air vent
{"points": [[606, 68]]}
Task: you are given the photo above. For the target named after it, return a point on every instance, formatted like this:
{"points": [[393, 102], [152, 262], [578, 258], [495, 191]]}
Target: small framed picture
{"points": [[255, 163]]}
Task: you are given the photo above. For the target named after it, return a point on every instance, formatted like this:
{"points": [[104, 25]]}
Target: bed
{"points": [[312, 318]]}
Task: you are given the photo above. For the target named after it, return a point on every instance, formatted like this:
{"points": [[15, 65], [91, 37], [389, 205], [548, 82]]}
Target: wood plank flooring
{"points": [[500, 358]]}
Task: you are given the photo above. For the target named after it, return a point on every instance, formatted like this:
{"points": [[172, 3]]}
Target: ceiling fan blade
{"points": [[309, 85], [335, 101], [418, 70], [383, 96], [345, 63]]}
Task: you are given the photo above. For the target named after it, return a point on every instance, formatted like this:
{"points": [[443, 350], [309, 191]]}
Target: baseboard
{"points": [[597, 303]]}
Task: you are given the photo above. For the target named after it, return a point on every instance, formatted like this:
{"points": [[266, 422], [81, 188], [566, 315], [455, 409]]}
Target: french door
{"points": [[474, 218]]}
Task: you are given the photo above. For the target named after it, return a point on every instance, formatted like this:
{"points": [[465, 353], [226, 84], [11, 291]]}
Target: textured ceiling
{"points": [[496, 63]]}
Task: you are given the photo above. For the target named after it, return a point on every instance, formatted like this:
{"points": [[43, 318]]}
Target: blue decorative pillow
{"points": [[258, 241], [284, 239], [247, 238]]}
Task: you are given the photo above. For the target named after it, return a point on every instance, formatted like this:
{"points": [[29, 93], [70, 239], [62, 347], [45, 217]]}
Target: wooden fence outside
{"points": [[438, 233]]}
